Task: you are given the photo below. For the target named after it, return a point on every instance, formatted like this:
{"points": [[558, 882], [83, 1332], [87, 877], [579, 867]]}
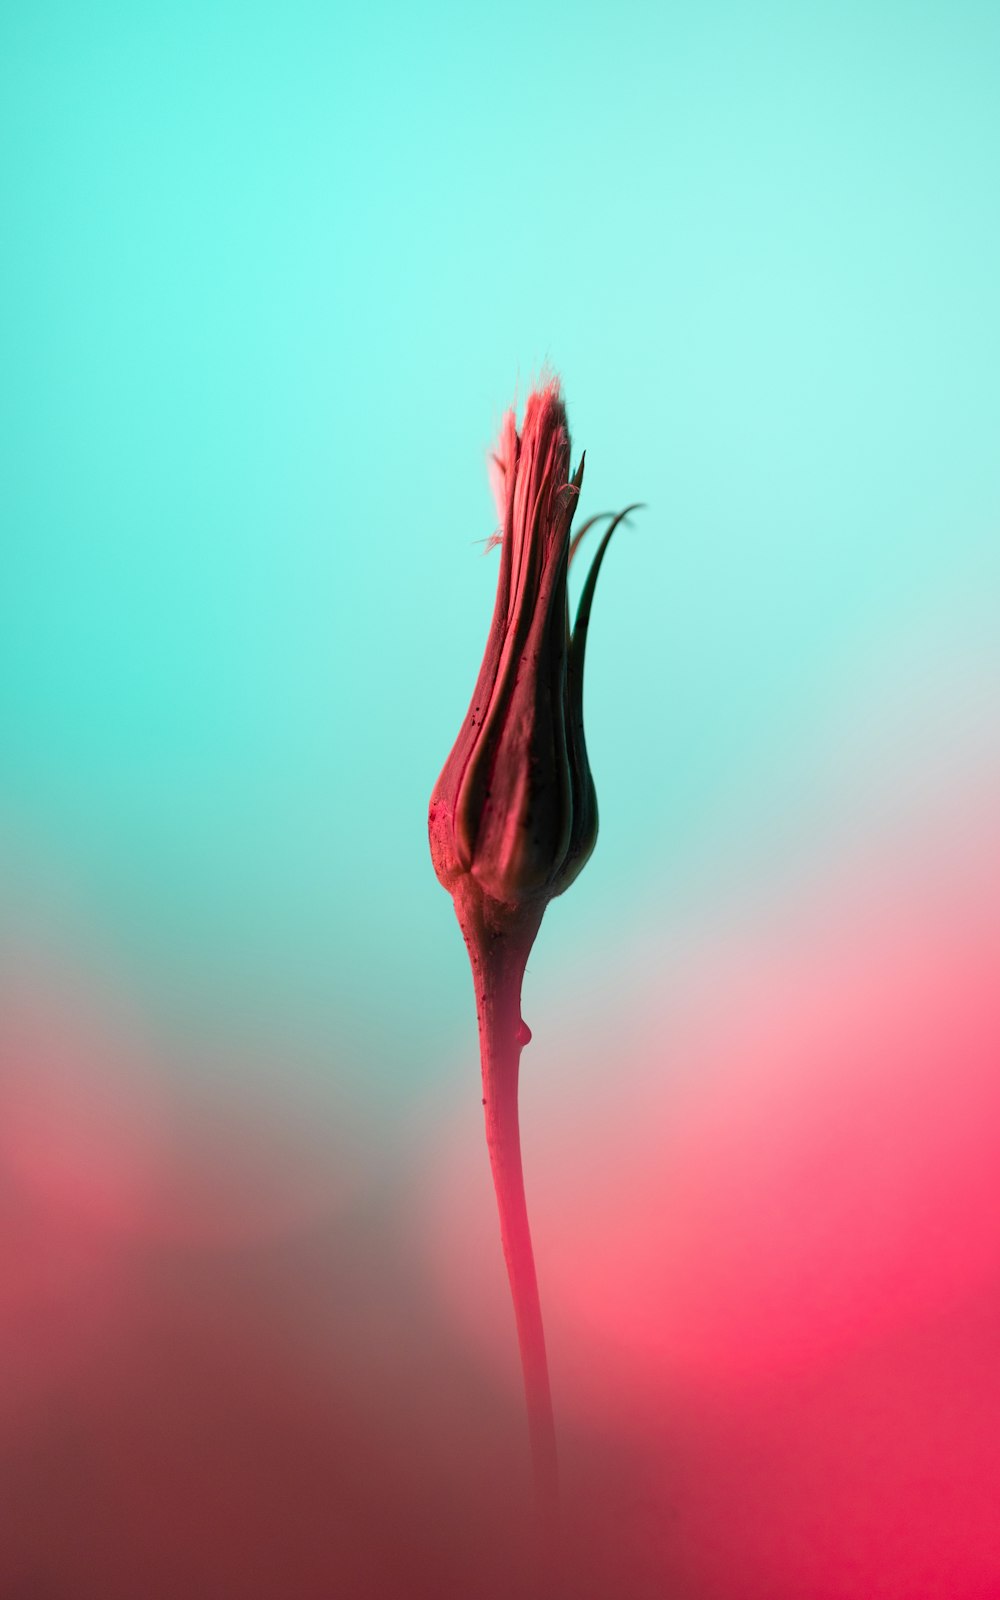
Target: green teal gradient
{"points": [[270, 276]]}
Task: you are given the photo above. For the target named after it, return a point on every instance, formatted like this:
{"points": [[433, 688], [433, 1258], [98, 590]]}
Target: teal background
{"points": [[271, 275]]}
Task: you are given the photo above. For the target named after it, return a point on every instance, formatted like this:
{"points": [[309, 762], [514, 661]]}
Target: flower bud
{"points": [[515, 807]]}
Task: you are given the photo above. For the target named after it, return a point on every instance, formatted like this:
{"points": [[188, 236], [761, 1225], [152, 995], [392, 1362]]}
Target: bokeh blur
{"points": [[269, 277]]}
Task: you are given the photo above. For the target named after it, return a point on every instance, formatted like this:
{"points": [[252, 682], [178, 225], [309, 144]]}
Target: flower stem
{"points": [[499, 940]]}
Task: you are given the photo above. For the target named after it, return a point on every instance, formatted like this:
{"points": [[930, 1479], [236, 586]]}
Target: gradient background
{"points": [[269, 278]]}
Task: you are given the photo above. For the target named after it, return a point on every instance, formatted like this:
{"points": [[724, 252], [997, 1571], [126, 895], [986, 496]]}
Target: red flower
{"points": [[515, 807], [513, 818]]}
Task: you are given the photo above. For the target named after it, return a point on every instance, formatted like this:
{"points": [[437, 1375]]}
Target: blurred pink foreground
{"points": [[239, 1358]]}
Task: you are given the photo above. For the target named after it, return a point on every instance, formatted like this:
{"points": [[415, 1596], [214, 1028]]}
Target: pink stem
{"points": [[499, 940]]}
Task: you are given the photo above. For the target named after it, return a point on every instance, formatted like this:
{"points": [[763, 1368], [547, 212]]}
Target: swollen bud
{"points": [[514, 809]]}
